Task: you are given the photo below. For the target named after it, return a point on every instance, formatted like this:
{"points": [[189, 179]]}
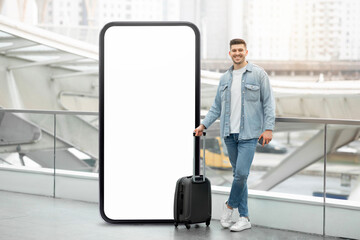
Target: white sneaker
{"points": [[240, 225], [226, 216]]}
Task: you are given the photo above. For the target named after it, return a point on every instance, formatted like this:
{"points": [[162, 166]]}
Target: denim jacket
{"points": [[257, 104]]}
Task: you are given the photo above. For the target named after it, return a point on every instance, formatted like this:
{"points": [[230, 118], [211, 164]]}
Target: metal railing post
{"points": [[324, 183], [54, 190]]}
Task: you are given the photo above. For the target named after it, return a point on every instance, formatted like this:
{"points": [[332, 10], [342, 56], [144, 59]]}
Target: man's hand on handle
{"points": [[199, 130], [267, 137]]}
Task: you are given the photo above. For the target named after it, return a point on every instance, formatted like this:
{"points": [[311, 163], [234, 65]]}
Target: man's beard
{"points": [[238, 62]]}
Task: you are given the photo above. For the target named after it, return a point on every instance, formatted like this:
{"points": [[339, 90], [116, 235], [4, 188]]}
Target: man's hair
{"points": [[237, 41]]}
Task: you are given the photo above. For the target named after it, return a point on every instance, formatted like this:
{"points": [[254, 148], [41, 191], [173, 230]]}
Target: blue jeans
{"points": [[241, 154]]}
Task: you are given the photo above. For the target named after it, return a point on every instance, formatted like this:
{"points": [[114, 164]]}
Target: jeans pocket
{"points": [[228, 139]]}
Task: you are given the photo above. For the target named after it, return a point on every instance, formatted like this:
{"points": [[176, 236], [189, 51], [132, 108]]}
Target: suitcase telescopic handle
{"points": [[194, 173]]}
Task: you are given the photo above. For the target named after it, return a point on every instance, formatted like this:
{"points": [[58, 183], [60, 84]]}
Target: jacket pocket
{"points": [[223, 91], [252, 92]]}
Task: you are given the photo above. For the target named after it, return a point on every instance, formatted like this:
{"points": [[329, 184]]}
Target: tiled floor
{"points": [[24, 216]]}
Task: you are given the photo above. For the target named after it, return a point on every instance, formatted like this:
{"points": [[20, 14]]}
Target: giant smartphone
{"points": [[149, 106]]}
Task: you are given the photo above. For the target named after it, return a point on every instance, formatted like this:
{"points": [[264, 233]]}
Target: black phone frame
{"points": [[101, 108]]}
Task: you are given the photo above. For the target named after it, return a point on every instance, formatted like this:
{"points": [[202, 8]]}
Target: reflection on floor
{"points": [[24, 216]]}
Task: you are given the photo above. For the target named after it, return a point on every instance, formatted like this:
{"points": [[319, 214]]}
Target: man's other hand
{"points": [[267, 137]]}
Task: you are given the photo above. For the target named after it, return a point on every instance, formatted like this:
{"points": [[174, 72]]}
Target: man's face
{"points": [[238, 53]]}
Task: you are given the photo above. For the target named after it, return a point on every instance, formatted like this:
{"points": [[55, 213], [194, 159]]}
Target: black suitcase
{"points": [[192, 202]]}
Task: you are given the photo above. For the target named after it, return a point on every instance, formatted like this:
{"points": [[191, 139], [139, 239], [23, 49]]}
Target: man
{"points": [[245, 104]]}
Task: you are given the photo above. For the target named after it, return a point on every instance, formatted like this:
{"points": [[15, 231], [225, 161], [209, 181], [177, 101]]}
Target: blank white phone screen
{"points": [[149, 116]]}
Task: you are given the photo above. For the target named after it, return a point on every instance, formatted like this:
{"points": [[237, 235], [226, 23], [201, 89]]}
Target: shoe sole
{"points": [[226, 226], [241, 229]]}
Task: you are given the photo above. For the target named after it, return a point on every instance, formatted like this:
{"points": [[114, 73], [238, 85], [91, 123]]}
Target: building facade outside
{"points": [[280, 30]]}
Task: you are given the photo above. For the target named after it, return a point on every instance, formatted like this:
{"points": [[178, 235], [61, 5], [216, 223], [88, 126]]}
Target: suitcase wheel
{"points": [[176, 224], [207, 223], [187, 226]]}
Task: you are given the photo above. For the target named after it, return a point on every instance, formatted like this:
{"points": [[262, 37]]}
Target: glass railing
{"points": [[308, 158], [49, 143], [295, 161], [316, 160]]}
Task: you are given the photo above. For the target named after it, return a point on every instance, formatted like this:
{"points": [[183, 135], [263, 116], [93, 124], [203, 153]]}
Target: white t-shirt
{"points": [[236, 100]]}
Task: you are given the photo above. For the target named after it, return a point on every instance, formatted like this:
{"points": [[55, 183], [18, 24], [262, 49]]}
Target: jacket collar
{"points": [[248, 67]]}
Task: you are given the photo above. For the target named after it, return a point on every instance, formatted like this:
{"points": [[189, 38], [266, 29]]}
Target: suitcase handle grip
{"points": [[204, 134], [194, 174]]}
